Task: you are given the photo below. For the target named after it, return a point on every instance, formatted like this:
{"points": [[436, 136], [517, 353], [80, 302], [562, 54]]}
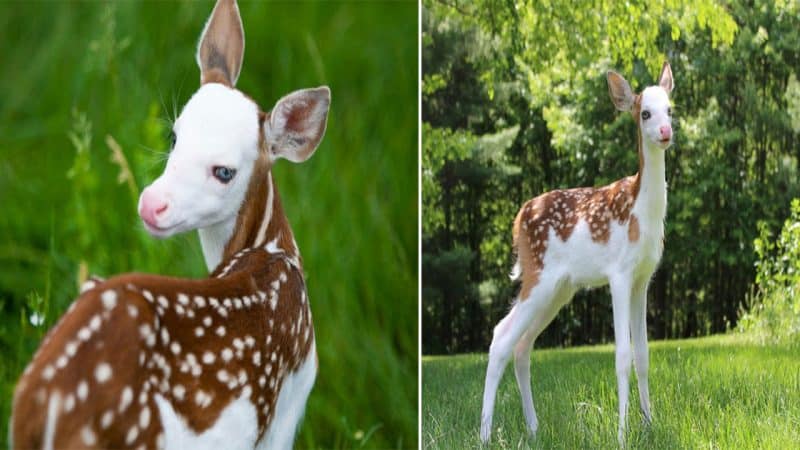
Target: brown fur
{"points": [[633, 229], [253, 275]]}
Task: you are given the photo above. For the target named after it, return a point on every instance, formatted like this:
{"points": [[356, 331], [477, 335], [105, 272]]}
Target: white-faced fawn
{"points": [[570, 239], [227, 362]]}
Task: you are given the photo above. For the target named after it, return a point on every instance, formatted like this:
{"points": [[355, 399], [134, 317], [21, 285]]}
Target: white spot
{"points": [[207, 321], [133, 433], [109, 299], [94, 324], [202, 399], [87, 436], [106, 419], [69, 403], [238, 343], [226, 354], [200, 302], [144, 417], [208, 358], [48, 372], [175, 347], [178, 391], [61, 362], [126, 398], [257, 358], [164, 336], [222, 376], [132, 311], [221, 331], [83, 390], [102, 372], [163, 301], [71, 348], [84, 334], [199, 331], [183, 299], [147, 295]]}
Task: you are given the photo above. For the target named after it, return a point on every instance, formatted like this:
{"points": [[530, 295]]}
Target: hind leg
{"points": [[507, 334], [522, 358]]}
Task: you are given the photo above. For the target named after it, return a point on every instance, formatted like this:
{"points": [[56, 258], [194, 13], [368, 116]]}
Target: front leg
{"points": [[641, 357], [621, 303]]}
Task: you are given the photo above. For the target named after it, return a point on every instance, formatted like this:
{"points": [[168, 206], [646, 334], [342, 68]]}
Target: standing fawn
{"points": [[589, 237], [227, 362]]}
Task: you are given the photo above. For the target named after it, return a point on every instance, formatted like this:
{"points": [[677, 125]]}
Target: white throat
{"points": [[213, 240]]}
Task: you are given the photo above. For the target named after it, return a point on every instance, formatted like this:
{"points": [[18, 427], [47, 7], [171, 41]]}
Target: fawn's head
{"points": [[651, 109], [221, 136]]}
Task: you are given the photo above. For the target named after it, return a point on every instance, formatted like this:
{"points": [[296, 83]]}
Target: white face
{"points": [[208, 170], [655, 117]]}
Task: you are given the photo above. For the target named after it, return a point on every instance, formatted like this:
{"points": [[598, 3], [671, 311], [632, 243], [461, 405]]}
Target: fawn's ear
{"points": [[620, 91], [665, 80], [221, 47], [297, 123]]}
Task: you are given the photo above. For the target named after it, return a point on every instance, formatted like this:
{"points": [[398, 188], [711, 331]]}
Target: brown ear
{"points": [[665, 80], [221, 47], [620, 91], [297, 123]]}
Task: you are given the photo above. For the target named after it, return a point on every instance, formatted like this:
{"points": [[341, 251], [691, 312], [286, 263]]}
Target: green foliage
{"points": [[540, 67], [718, 392], [774, 313], [88, 97]]}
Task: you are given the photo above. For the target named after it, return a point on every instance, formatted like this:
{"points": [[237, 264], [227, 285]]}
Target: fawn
{"points": [[146, 361], [589, 237]]}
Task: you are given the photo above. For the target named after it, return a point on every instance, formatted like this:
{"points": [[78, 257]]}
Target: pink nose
{"points": [[151, 207], [666, 132]]}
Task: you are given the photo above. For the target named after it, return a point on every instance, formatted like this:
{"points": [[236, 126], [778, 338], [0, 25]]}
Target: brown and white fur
{"points": [[587, 237], [146, 361]]}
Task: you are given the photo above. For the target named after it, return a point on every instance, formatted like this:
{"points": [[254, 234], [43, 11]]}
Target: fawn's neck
{"points": [[261, 222], [651, 199]]}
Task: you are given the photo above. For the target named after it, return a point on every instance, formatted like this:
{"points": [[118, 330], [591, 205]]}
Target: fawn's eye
{"points": [[223, 174], [669, 112], [645, 115], [172, 139]]}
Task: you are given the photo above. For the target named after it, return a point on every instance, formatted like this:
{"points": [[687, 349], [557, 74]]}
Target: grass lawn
{"points": [[719, 392]]}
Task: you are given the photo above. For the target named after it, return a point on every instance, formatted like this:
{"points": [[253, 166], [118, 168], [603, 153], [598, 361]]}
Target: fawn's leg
{"points": [[621, 302], [640, 351]]}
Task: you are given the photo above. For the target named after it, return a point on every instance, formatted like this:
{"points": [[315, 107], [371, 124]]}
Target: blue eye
{"points": [[172, 139], [223, 174]]}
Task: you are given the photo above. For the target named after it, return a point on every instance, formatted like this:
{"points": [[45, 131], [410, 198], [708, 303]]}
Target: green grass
{"points": [[716, 392], [76, 72]]}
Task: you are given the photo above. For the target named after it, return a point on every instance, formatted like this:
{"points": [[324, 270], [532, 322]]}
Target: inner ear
{"points": [[295, 126], [221, 47], [665, 80]]}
